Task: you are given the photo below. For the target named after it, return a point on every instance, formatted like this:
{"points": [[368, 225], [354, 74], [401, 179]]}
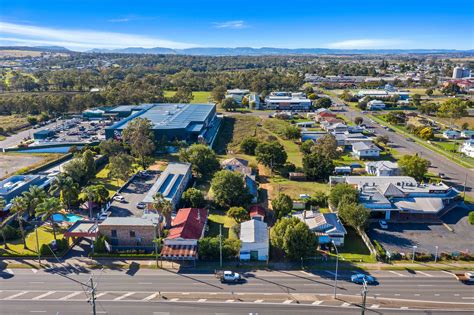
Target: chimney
{"points": [[199, 215]]}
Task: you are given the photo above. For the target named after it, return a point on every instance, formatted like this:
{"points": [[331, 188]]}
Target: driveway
{"points": [[401, 237], [133, 193]]}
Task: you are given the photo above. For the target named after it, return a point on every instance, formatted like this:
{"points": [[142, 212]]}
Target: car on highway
{"points": [[230, 277], [383, 224], [442, 176], [141, 205], [119, 198], [359, 278], [409, 140]]}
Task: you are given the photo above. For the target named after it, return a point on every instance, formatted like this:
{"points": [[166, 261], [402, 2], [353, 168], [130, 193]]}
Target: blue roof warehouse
{"points": [[192, 123]]}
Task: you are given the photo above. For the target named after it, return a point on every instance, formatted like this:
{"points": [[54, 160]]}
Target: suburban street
{"points": [[57, 291]]}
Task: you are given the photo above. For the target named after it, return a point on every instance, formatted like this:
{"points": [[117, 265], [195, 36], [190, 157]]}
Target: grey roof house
{"points": [[327, 226]]}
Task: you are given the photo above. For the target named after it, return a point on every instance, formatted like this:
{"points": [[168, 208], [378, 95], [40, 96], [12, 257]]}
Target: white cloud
{"points": [[120, 20], [368, 44], [239, 24], [80, 39]]}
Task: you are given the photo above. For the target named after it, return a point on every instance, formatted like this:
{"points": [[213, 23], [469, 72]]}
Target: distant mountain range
{"points": [[248, 51]]}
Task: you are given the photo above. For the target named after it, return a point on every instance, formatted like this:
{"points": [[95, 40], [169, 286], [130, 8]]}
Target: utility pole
{"points": [[337, 267], [93, 297], [37, 245], [436, 254], [156, 246], [364, 297], [220, 244]]}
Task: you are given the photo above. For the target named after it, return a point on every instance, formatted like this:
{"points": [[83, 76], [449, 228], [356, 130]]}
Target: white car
{"points": [[119, 198], [383, 224]]}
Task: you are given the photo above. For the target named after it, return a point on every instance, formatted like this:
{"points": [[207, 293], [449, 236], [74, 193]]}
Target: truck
{"points": [[228, 276], [467, 277]]}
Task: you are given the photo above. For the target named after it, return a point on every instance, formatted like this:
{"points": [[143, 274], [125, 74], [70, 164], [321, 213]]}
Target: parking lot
{"points": [[401, 237], [133, 193]]}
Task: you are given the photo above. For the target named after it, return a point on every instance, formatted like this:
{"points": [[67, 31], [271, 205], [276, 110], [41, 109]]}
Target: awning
{"points": [[182, 252]]}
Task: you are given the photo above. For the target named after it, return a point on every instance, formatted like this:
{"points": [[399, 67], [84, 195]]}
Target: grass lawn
{"points": [[217, 218], [12, 121], [295, 188], [199, 96], [112, 185], [45, 236], [354, 248]]}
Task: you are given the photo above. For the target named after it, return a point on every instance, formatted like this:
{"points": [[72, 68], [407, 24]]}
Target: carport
{"points": [[80, 229]]}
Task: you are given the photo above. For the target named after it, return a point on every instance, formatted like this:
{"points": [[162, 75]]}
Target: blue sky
{"points": [[86, 24]]}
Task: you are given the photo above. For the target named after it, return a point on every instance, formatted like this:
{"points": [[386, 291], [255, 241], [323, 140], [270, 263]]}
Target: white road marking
{"points": [[185, 293], [212, 293], [306, 273], [437, 294], [424, 273], [15, 295], [145, 283], [448, 272], [258, 301], [70, 295], [34, 270], [10, 271], [43, 295], [397, 294], [288, 302], [37, 311], [229, 301], [101, 294], [202, 300], [467, 298], [150, 297], [397, 273], [317, 302], [424, 285], [174, 300], [404, 307], [417, 294], [330, 272], [375, 306], [345, 304], [457, 294], [36, 282], [124, 296]]}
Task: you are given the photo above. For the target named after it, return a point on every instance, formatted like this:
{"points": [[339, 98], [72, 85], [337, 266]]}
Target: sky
{"points": [[346, 24]]}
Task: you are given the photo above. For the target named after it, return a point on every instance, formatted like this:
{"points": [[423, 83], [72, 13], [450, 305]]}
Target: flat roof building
{"points": [[171, 183], [287, 101], [191, 123], [17, 184]]}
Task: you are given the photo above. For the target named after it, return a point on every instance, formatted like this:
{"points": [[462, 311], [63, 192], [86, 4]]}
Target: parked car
{"points": [[141, 205], [442, 176], [359, 278], [119, 198], [383, 224]]}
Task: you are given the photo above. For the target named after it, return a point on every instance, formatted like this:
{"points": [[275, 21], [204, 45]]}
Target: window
{"points": [[132, 234], [114, 233]]}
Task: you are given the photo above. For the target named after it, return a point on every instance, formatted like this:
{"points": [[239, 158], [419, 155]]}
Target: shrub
{"points": [[99, 244], [380, 250], [61, 246], [470, 218]]}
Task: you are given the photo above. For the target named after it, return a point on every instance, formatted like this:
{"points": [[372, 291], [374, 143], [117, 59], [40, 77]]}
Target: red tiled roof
{"points": [[188, 224], [327, 114], [179, 251], [256, 210]]}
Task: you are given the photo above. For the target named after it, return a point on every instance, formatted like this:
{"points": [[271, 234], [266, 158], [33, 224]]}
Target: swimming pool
{"points": [[70, 217]]}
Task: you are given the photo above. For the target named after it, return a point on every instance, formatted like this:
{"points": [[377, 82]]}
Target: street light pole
{"points": [[220, 244], [337, 267], [413, 255], [364, 297], [436, 254], [37, 245]]}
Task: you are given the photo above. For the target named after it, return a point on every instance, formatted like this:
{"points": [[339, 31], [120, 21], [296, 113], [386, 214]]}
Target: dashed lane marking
{"points": [[202, 300], [288, 302], [397, 273], [43, 295], [123, 296], [375, 306], [34, 270], [345, 304], [70, 296], [15, 295], [258, 301], [229, 301], [317, 302], [424, 273], [174, 300]]}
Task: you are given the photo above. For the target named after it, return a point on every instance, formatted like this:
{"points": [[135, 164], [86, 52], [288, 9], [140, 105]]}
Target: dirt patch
{"points": [[11, 163]]}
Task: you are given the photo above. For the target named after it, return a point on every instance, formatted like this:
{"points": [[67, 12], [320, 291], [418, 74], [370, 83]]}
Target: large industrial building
{"points": [[188, 122]]}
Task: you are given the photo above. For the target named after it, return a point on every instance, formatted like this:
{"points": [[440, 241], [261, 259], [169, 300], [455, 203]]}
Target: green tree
{"points": [[428, 108], [164, 206], [282, 205], [317, 166], [429, 92], [33, 196], [342, 192], [89, 164], [293, 238], [416, 99], [139, 136], [218, 93], [66, 187], [183, 95], [4, 224], [47, 208], [248, 145], [327, 146], [111, 147], [239, 214], [454, 108], [19, 208], [229, 189], [291, 132], [208, 248], [307, 146], [93, 194], [120, 167], [358, 120], [271, 154], [194, 198], [465, 126], [324, 102], [203, 159], [353, 214], [426, 133], [451, 89], [414, 166], [229, 104], [382, 140]]}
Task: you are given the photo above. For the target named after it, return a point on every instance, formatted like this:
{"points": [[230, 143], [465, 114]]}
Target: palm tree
{"points": [[20, 208], [33, 197], [94, 194], [4, 223], [47, 208], [164, 206], [67, 188]]}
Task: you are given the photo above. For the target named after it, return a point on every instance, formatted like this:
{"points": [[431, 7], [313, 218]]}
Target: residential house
{"points": [[382, 168], [362, 150], [375, 105], [237, 94], [241, 166], [186, 229], [130, 232], [287, 101], [324, 114], [348, 139], [296, 176], [254, 240], [334, 128], [327, 226], [468, 147], [171, 184], [451, 134], [467, 134], [312, 135], [255, 100]]}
